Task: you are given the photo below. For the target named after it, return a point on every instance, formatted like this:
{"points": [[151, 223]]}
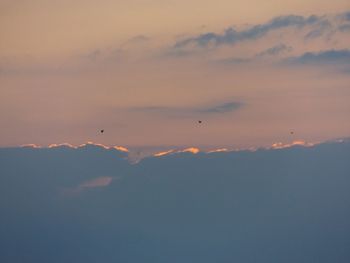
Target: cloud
{"points": [[30, 145], [190, 111], [275, 50], [346, 16], [332, 56], [344, 28], [138, 39], [232, 36], [59, 145], [220, 150], [280, 145], [98, 182], [319, 29], [222, 108], [192, 150], [284, 205], [94, 55], [159, 154], [121, 148], [236, 60], [118, 148], [271, 52], [294, 30]]}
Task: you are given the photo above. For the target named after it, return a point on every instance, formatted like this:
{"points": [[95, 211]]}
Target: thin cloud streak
{"points": [[340, 57], [273, 52], [189, 111]]}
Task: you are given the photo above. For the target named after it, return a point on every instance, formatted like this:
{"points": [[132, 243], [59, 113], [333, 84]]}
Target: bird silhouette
{"points": [[199, 121], [102, 131]]}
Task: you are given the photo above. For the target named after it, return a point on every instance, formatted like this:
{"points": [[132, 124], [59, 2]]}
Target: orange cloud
{"points": [[31, 145], [163, 153], [121, 148], [280, 145], [98, 145], [190, 150], [54, 145], [98, 182], [218, 150], [65, 144]]}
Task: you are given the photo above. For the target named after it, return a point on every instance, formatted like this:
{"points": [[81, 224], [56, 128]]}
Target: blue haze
{"points": [[286, 206]]}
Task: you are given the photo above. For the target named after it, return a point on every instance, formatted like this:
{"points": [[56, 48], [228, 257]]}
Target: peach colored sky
{"points": [[147, 71]]}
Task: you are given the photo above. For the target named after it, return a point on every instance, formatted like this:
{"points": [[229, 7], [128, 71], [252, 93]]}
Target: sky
{"points": [[226, 131], [147, 71]]}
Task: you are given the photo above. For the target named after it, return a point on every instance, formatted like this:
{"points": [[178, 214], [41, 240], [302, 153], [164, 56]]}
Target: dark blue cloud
{"points": [[339, 57], [232, 36]]}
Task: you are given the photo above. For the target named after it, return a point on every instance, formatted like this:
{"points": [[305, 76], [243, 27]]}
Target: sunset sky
{"points": [[146, 71], [174, 131]]}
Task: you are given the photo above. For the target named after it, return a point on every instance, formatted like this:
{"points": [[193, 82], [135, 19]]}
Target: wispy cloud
{"points": [[221, 108], [346, 16], [271, 52], [98, 182], [137, 39], [275, 50], [235, 44], [321, 28], [322, 57], [232, 36], [334, 57], [344, 28], [189, 111]]}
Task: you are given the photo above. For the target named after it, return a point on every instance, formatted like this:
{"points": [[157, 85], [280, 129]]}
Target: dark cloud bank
{"points": [[288, 205]]}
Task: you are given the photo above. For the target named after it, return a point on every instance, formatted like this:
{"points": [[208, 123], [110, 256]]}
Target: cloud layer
{"points": [[89, 204]]}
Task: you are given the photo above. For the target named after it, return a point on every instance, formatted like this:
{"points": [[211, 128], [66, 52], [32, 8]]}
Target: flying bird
{"points": [[102, 131], [199, 121], [292, 132]]}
